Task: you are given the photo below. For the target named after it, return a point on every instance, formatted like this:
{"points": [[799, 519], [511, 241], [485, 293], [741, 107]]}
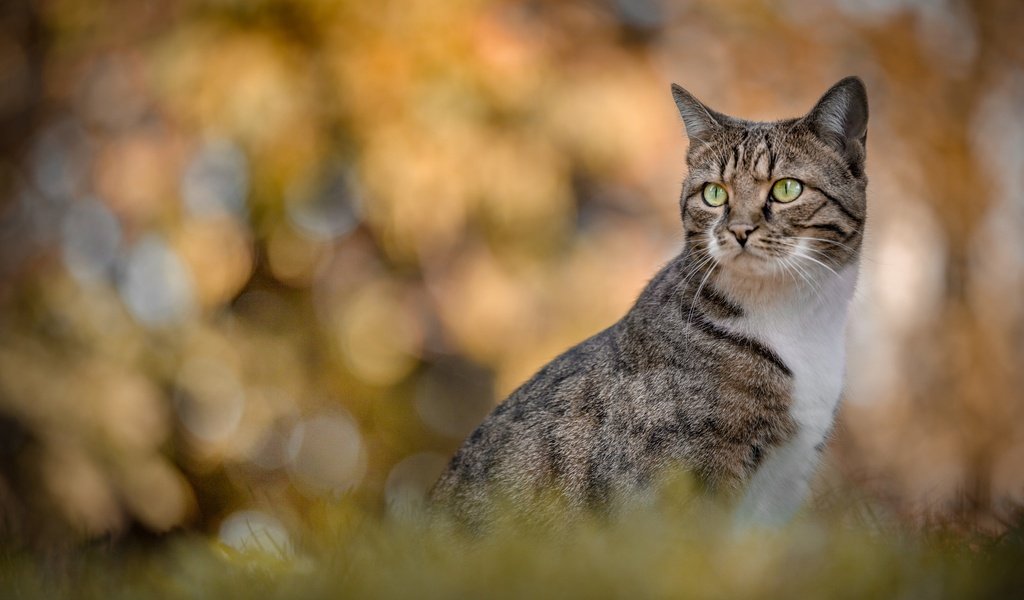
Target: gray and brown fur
{"points": [[671, 383]]}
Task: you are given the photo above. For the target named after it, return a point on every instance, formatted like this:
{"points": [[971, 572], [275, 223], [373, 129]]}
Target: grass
{"points": [[684, 548]]}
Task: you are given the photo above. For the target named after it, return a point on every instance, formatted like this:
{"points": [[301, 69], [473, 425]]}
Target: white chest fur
{"points": [[807, 330]]}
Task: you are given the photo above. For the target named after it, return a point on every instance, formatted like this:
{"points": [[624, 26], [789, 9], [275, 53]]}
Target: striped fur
{"points": [[729, 364]]}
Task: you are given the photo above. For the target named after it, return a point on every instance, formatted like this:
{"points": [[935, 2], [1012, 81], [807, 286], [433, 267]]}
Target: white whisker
{"points": [[788, 270], [811, 258], [809, 249], [798, 247], [697, 267], [815, 239], [808, 279], [696, 294]]}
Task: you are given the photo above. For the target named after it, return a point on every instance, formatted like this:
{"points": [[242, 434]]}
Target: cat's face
{"points": [[781, 199]]}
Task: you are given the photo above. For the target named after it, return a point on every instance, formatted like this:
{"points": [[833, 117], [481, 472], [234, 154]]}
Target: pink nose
{"points": [[742, 231]]}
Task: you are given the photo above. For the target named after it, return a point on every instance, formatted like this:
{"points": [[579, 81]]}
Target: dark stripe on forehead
{"points": [[758, 154], [750, 344], [723, 163], [763, 164], [732, 163], [743, 162]]}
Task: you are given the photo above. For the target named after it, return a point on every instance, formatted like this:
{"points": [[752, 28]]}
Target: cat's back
{"points": [[553, 431]]}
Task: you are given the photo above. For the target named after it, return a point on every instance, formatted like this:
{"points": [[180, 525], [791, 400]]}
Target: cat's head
{"points": [[777, 199]]}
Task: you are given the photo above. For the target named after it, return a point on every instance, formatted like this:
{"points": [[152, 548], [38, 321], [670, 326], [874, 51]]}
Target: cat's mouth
{"points": [[749, 255], [750, 259], [733, 250]]}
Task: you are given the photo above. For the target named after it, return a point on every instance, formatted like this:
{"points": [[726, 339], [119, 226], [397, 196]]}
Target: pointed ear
{"points": [[841, 118], [700, 120]]}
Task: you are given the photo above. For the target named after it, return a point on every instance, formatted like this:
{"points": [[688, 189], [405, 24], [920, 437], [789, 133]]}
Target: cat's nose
{"points": [[742, 231]]}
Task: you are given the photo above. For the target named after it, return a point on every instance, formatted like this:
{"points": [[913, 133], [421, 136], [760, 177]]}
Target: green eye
{"points": [[787, 190], [714, 194]]}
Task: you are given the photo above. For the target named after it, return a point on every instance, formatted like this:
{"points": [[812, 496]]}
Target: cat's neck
{"points": [[815, 289]]}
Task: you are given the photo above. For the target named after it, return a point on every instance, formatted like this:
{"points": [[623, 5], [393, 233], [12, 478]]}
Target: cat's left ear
{"points": [[701, 122], [841, 118]]}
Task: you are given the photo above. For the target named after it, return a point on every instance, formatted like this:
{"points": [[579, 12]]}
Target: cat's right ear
{"points": [[700, 120], [841, 118]]}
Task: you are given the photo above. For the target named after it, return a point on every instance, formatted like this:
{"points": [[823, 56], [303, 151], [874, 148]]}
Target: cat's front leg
{"points": [[779, 487]]}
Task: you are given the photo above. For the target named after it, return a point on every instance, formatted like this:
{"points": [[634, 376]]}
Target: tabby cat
{"points": [[730, 364]]}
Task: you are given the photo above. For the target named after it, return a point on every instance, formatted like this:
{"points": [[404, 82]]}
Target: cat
{"points": [[731, 362]]}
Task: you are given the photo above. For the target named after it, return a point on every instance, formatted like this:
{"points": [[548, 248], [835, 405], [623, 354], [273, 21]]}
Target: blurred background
{"points": [[257, 256]]}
